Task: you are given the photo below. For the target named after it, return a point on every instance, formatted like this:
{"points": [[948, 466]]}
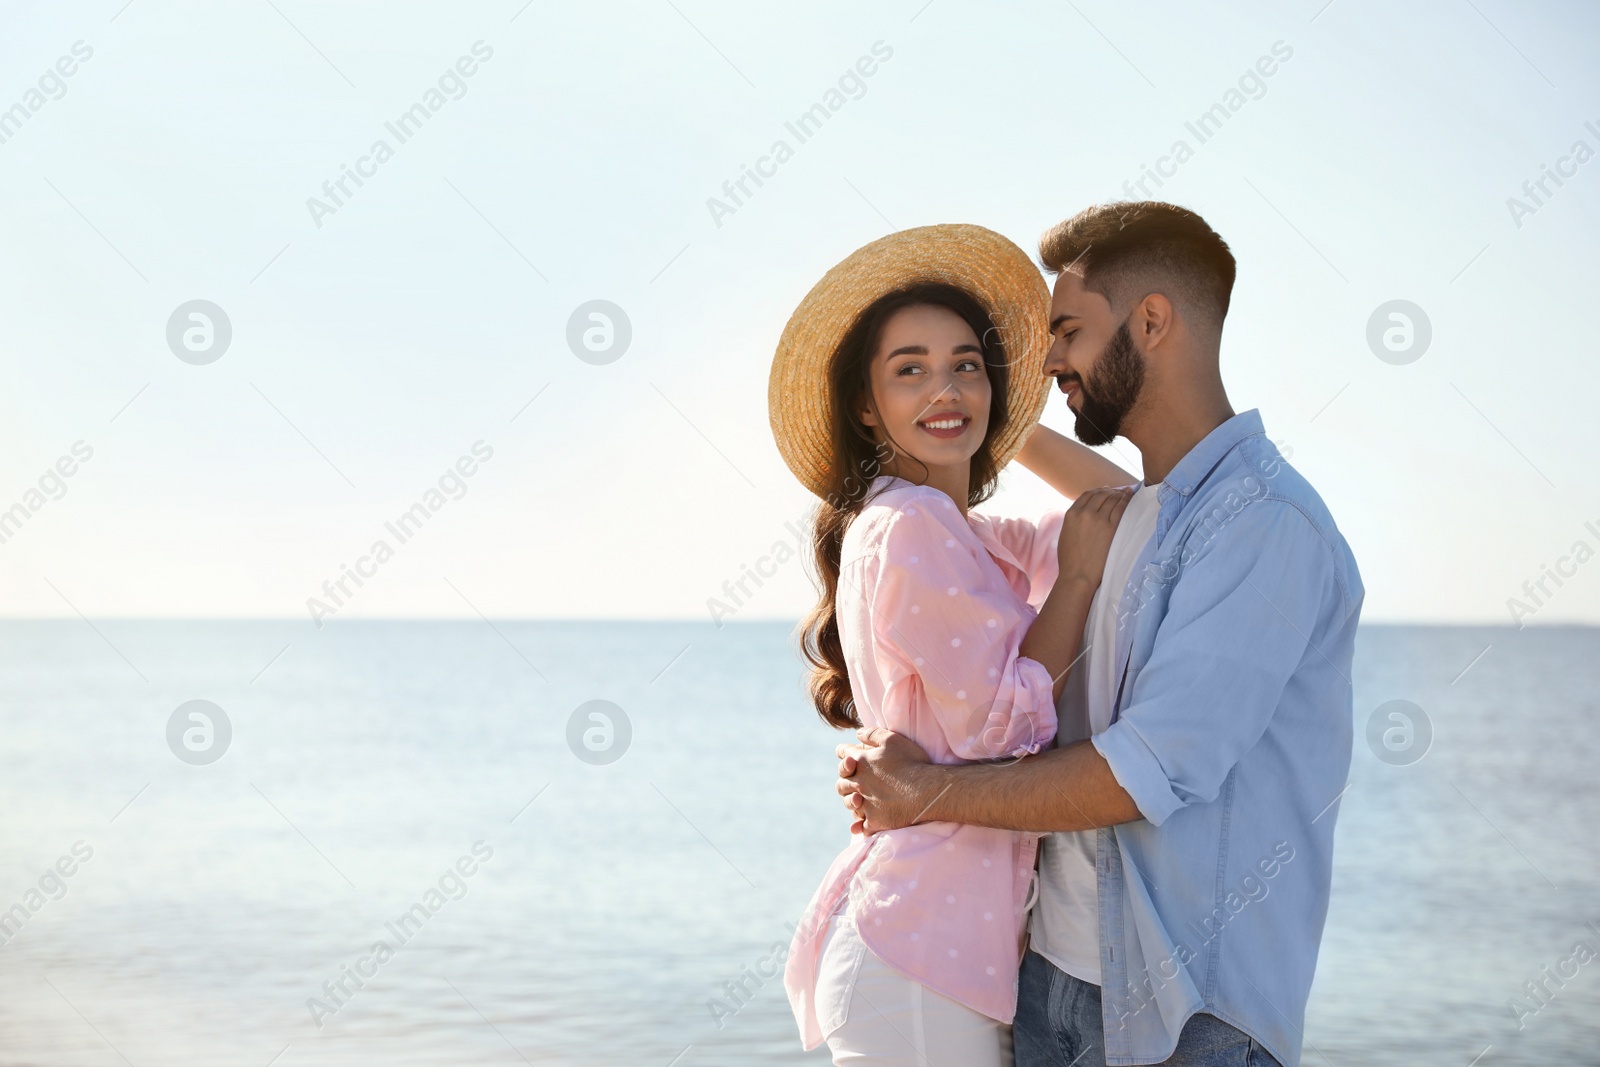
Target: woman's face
{"points": [[930, 390]]}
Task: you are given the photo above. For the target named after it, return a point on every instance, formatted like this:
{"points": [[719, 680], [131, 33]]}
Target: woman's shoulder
{"points": [[900, 510], [1012, 525]]}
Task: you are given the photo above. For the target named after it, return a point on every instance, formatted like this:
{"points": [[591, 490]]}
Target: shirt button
{"points": [[989, 970]]}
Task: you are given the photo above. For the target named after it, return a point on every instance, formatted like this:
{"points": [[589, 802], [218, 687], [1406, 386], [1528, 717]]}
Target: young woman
{"points": [[903, 384]]}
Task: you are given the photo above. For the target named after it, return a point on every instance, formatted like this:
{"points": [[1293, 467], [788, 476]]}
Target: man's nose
{"points": [[1055, 364]]}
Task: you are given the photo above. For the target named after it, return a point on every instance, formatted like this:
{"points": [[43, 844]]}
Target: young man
{"points": [[1185, 883]]}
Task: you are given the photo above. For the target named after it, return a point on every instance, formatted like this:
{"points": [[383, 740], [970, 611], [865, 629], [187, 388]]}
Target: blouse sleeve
{"points": [[947, 632], [1034, 546]]}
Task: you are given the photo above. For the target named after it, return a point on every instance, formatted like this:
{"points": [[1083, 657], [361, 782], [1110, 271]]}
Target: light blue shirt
{"points": [[1231, 731]]}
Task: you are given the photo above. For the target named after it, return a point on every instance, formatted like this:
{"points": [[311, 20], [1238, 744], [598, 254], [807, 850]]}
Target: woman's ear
{"points": [[868, 416]]}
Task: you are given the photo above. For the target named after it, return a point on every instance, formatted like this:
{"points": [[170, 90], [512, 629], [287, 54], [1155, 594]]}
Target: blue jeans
{"points": [[1058, 1025]]}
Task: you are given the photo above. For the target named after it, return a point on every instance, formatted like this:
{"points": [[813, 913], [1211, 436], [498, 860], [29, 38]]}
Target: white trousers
{"points": [[873, 1014]]}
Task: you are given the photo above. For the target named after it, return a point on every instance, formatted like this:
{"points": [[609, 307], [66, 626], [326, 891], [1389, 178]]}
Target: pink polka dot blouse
{"points": [[932, 608]]}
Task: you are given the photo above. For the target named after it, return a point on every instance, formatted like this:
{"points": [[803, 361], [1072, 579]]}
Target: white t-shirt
{"points": [[1064, 927]]}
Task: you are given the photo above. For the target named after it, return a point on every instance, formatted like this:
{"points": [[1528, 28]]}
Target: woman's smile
{"points": [[947, 426]]}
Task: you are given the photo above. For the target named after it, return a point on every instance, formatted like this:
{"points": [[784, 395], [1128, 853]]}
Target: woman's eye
{"points": [[908, 368], [969, 364]]}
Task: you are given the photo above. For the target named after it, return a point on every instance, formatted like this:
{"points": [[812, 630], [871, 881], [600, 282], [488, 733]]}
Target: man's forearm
{"points": [[1068, 788]]}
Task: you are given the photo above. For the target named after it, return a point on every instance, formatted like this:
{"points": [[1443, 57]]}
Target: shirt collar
{"points": [[1192, 469]]}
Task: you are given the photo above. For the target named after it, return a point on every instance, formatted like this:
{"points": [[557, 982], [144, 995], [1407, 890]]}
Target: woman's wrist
{"points": [[1076, 582]]}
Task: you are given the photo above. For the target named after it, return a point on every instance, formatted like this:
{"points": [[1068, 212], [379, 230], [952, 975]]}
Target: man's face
{"points": [[1093, 360]]}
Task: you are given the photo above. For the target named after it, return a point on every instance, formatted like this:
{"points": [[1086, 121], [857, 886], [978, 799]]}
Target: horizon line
{"points": [[678, 619]]}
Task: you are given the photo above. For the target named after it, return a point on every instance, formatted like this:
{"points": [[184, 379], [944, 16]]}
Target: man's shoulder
{"points": [[1257, 472], [1257, 479]]}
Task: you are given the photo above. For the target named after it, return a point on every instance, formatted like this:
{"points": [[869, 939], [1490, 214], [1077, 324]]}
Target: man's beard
{"points": [[1118, 378]]}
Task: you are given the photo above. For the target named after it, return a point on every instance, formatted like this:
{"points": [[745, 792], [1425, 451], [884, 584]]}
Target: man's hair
{"points": [[1127, 250]]}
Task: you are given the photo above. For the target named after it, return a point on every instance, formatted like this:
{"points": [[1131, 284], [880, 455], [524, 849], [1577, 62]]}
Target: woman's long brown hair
{"points": [[857, 458]]}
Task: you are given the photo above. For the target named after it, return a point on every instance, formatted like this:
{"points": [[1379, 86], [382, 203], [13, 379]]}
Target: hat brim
{"points": [[997, 273]]}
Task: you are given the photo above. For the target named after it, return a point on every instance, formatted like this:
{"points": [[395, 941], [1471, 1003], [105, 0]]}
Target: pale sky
{"points": [[374, 344]]}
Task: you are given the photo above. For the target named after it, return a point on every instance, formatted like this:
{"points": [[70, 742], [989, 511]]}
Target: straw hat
{"points": [[994, 270]]}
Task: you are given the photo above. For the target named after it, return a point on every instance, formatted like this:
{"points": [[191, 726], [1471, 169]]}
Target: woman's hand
{"points": [[1086, 533]]}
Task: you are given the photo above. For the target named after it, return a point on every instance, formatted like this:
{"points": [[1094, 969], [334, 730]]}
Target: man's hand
{"points": [[885, 781]]}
